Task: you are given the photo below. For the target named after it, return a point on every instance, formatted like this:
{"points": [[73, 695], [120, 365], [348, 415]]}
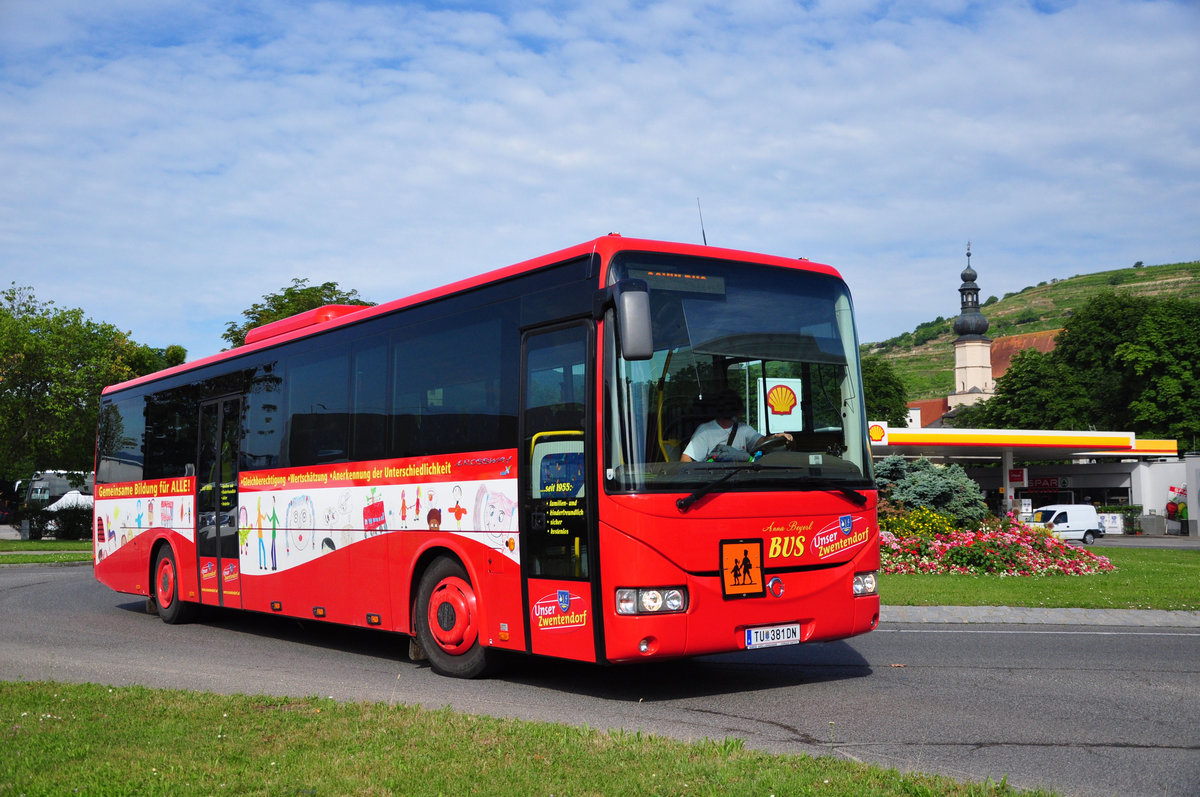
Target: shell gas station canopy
{"points": [[1012, 446]]}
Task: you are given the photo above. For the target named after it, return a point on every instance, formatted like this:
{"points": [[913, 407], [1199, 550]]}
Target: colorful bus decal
{"points": [[290, 516], [560, 610], [124, 510], [841, 536], [789, 542]]}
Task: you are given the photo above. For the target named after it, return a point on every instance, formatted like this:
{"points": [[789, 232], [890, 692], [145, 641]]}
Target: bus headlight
{"points": [[652, 600], [866, 583]]}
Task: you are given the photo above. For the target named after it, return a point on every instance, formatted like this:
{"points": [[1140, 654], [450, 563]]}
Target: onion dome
{"points": [[970, 322]]}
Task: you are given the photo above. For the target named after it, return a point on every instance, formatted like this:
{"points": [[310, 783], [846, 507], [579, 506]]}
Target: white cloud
{"points": [[164, 165]]}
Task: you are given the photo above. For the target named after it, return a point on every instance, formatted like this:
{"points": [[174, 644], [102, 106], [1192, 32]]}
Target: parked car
{"points": [[1069, 521]]}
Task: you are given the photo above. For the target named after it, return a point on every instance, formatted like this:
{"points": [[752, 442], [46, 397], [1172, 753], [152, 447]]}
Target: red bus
{"points": [[512, 463]]}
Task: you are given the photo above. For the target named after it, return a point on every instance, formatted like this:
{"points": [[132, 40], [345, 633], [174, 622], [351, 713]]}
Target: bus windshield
{"points": [[754, 381]]}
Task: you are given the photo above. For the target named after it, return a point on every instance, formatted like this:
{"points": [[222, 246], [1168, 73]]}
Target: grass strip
{"points": [[43, 546], [41, 552], [43, 558], [89, 739], [1144, 579]]}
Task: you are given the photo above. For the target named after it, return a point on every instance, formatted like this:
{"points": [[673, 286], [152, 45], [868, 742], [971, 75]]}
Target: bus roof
{"points": [[329, 317]]}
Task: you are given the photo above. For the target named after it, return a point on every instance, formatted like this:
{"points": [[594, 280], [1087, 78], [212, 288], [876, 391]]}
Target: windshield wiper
{"points": [[685, 503], [804, 482], [817, 483]]}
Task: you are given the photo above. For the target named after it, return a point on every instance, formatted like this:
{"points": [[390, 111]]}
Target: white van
{"points": [[1069, 521]]}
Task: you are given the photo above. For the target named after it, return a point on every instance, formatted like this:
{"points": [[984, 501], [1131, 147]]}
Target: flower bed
{"points": [[1009, 549]]}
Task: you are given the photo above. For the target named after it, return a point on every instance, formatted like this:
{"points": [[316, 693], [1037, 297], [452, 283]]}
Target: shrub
{"points": [[68, 523], [1027, 316], [945, 489], [921, 522], [34, 517], [985, 554], [72, 523]]}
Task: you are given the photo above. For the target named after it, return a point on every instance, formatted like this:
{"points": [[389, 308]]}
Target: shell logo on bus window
{"points": [[781, 399]]}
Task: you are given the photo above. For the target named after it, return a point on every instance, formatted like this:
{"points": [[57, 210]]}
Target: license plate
{"points": [[769, 636]]}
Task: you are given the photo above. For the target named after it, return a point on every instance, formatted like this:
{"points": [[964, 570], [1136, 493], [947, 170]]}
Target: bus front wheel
{"points": [[166, 589], [447, 621]]}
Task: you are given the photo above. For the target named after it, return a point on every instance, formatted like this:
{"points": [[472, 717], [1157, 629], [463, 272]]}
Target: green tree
{"points": [[1032, 394], [1122, 363], [53, 364], [145, 360], [1084, 352], [886, 398], [1164, 358], [296, 298]]}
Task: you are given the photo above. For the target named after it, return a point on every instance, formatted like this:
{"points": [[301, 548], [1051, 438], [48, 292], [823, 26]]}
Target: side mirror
{"points": [[632, 299]]}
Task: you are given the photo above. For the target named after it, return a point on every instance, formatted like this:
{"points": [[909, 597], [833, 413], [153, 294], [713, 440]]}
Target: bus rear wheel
{"points": [[447, 621], [166, 589]]}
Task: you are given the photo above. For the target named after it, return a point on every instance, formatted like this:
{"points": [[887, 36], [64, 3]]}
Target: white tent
{"points": [[70, 499]]}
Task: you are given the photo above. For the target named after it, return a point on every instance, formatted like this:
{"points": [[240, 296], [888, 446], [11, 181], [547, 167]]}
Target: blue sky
{"points": [[164, 164]]}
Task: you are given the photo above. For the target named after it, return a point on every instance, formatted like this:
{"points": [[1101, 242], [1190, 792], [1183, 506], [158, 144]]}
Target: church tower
{"points": [[972, 348]]}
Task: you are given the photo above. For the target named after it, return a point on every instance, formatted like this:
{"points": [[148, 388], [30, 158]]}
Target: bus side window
{"points": [[448, 394], [368, 419], [122, 434], [319, 406]]}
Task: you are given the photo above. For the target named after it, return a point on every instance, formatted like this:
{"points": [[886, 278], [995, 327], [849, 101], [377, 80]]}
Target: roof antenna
{"points": [[701, 212]]}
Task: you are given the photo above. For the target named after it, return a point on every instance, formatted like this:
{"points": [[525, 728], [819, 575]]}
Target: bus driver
{"points": [[725, 430]]}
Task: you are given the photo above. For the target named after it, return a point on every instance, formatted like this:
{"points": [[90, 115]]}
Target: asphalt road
{"points": [[1080, 709]]}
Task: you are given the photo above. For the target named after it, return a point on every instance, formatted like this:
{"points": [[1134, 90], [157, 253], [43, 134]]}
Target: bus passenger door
{"points": [[217, 503], [557, 524]]}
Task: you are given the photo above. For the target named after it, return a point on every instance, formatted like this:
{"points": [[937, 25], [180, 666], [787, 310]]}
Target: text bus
{"points": [[498, 464]]}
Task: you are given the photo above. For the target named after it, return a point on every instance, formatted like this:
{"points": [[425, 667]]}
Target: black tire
{"points": [[1088, 538], [165, 591], [447, 621]]}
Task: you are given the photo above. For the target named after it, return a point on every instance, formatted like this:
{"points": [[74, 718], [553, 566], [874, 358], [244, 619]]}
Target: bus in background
{"points": [[502, 464], [47, 486]]}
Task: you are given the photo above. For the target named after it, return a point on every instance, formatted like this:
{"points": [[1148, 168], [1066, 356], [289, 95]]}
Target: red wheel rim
{"points": [[165, 583], [453, 615]]}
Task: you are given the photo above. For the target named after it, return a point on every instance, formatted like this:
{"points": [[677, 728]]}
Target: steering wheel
{"points": [[771, 444]]}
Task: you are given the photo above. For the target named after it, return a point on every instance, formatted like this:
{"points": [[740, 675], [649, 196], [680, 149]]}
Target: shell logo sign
{"points": [[781, 399]]}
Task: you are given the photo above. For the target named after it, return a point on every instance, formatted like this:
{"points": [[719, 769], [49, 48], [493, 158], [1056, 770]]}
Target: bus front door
{"points": [[557, 524], [217, 503]]}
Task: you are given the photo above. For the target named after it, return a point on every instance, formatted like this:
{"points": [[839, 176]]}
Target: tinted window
{"points": [[368, 423], [449, 392], [119, 444], [318, 384], [265, 414], [171, 433]]}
